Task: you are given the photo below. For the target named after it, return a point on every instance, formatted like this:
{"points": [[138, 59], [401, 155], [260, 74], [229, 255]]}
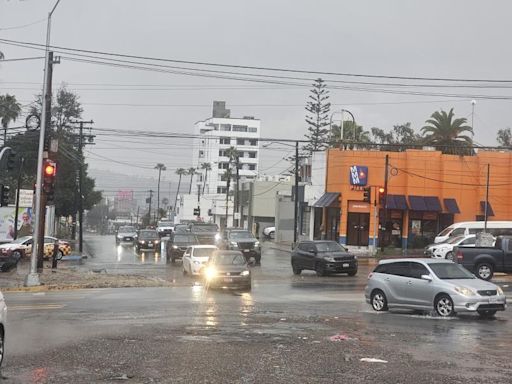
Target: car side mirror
{"points": [[426, 277]]}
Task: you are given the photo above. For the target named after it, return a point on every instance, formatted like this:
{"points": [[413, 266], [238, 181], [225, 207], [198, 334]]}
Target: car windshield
{"points": [[184, 239], [329, 246], [126, 229], [445, 231], [148, 235], [228, 259], [203, 252], [450, 271], [241, 235], [165, 224], [455, 240], [21, 240], [205, 228]]}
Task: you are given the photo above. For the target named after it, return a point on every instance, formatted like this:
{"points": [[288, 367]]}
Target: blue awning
{"points": [[417, 203], [396, 202], [490, 212], [433, 204], [327, 199], [390, 202], [451, 206]]}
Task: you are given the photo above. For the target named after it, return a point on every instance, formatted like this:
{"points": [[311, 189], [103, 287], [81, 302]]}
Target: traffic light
{"points": [[381, 192], [197, 211], [11, 160], [4, 195], [49, 173], [367, 194]]}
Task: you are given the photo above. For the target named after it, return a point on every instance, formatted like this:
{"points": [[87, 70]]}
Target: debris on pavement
{"points": [[341, 337], [372, 360]]}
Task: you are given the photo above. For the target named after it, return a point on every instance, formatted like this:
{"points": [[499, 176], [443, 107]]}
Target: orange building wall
{"points": [[427, 173]]}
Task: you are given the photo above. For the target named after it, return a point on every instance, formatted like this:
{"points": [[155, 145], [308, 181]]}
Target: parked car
{"points": [[3, 320], [147, 239], [22, 247], [227, 269], [196, 257], [445, 250], [324, 257], [269, 232], [484, 261], [126, 235], [178, 244], [165, 228], [426, 284], [238, 239], [206, 233]]}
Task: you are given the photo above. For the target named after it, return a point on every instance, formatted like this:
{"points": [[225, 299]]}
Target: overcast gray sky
{"points": [[435, 38]]}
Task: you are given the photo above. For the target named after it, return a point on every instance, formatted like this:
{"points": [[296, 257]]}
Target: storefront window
{"points": [[423, 227]]}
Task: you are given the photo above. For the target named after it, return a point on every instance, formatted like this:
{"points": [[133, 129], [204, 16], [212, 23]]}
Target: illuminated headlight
{"points": [[245, 273], [197, 262], [499, 290], [157, 241], [119, 236], [234, 244], [142, 242], [257, 244], [329, 259], [174, 247], [217, 237], [465, 291], [210, 273]]}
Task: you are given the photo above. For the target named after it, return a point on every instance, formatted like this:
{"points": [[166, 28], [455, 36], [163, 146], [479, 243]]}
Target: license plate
{"points": [[493, 300], [346, 265], [247, 250], [228, 280], [150, 244]]}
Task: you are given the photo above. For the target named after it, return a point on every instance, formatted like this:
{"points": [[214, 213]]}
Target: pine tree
{"points": [[317, 117]]}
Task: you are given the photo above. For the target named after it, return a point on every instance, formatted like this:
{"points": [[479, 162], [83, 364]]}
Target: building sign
{"points": [[26, 197], [358, 206], [358, 175]]}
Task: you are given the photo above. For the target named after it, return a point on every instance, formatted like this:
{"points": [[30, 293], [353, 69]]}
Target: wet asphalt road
{"points": [[278, 333]]}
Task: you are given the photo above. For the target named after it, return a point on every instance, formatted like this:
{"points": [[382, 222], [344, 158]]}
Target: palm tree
{"points": [[191, 171], [10, 110], [180, 172], [447, 134], [160, 167], [206, 167]]}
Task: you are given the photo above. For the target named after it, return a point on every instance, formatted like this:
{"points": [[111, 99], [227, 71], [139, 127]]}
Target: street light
{"points": [[32, 278], [341, 130]]}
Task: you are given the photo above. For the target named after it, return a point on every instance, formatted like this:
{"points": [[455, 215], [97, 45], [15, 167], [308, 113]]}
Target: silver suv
{"points": [[426, 284]]}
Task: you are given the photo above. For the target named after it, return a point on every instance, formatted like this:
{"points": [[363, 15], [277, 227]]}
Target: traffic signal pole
{"points": [[17, 207]]}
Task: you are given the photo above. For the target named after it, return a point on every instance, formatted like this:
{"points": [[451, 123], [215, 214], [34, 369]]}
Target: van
{"points": [[496, 228]]}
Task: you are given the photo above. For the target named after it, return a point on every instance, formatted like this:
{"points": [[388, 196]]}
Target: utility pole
{"points": [[386, 175], [487, 197], [296, 201], [228, 183], [149, 212], [137, 219], [17, 208], [375, 219], [236, 202]]}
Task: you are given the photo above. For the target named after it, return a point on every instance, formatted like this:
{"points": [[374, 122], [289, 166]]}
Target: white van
{"points": [[465, 228]]}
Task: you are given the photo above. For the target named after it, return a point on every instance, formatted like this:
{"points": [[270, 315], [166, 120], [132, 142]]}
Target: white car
{"points": [[270, 232], [3, 319], [196, 257], [445, 250]]}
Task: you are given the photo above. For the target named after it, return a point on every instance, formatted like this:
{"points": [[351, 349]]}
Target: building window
{"points": [[221, 189], [252, 155], [215, 127], [253, 142], [252, 167], [201, 154], [252, 129], [222, 152], [225, 127], [240, 128], [225, 140], [240, 141], [223, 165]]}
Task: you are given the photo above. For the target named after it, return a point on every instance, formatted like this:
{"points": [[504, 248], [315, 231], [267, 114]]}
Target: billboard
{"points": [[25, 223], [358, 175]]}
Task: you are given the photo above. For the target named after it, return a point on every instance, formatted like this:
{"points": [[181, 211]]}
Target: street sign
{"points": [[26, 197]]}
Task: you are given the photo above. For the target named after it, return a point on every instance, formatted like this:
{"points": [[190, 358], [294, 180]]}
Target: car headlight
{"points": [[119, 236], [218, 237], [465, 291], [499, 291], [174, 247], [210, 273], [329, 259], [142, 242], [257, 244], [234, 244], [157, 241], [197, 262], [245, 273]]}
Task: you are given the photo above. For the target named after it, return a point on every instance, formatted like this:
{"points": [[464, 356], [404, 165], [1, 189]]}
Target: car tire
{"points": [[379, 301], [352, 273], [485, 271], [443, 306], [60, 255], [320, 269], [272, 235], [449, 256], [296, 271], [16, 255], [2, 347], [486, 313]]}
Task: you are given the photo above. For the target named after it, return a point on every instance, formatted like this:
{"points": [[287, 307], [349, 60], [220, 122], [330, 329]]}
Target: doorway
{"points": [[358, 225]]}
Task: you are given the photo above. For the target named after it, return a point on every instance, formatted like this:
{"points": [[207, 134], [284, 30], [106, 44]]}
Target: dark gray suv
{"points": [[324, 257]]}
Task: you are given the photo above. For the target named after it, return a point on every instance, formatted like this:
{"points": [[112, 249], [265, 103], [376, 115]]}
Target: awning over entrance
{"points": [[327, 199], [396, 202], [451, 206], [425, 203], [490, 212], [433, 204]]}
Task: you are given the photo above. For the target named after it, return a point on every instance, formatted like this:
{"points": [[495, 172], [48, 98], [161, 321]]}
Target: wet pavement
{"points": [[280, 332]]}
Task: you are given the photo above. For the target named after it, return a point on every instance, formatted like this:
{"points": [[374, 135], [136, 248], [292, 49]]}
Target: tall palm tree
{"points": [[180, 172], [10, 110], [447, 134], [206, 167], [191, 171], [160, 167]]}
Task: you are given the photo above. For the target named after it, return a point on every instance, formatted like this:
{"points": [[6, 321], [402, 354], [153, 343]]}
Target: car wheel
{"points": [[16, 255], [296, 270], [379, 301], [319, 269], [449, 256], [487, 313], [485, 271], [60, 255], [1, 347], [272, 235], [444, 306], [352, 273]]}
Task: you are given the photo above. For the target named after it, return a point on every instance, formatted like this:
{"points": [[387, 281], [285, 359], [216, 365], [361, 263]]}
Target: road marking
{"points": [[34, 307]]}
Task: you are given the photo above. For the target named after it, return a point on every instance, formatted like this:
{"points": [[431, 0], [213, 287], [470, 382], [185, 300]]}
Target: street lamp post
{"points": [[32, 279], [341, 126]]}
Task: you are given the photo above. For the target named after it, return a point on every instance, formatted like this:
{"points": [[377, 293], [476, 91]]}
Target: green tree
{"points": [[206, 167], [351, 133], [10, 110], [401, 134], [317, 117], [191, 172], [504, 137], [180, 172], [447, 134]]}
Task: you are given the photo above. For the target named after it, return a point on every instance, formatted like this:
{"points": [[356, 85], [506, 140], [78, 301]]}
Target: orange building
{"points": [[426, 192]]}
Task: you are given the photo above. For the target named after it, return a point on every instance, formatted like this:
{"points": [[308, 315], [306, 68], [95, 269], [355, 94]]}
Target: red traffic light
{"points": [[50, 169], [381, 190]]}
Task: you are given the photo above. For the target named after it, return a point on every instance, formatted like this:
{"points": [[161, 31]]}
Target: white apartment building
{"points": [[217, 134]]}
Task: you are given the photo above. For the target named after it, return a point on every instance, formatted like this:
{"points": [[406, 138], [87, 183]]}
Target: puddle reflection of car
{"points": [[227, 269], [196, 257], [147, 240]]}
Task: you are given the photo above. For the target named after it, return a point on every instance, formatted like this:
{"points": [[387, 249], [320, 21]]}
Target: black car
{"points": [[227, 269], [238, 239], [324, 257], [147, 239], [178, 244]]}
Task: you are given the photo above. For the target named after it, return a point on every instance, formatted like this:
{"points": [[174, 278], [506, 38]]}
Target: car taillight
{"points": [[460, 256]]}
